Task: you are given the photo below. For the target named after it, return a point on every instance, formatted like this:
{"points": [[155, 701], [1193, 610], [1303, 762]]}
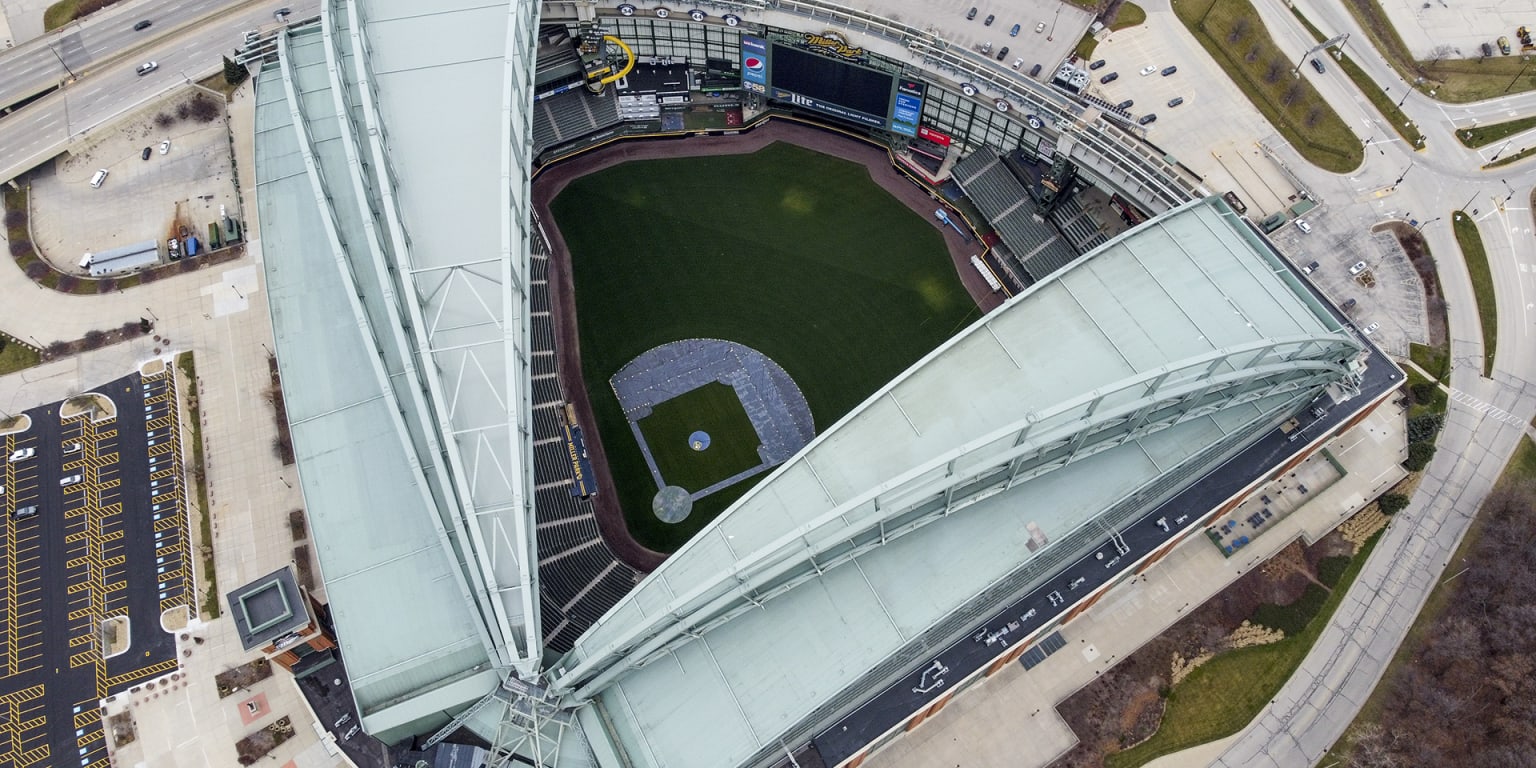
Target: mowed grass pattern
{"points": [[788, 251], [712, 408]]}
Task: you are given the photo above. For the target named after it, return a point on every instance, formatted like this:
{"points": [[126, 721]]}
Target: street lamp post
{"points": [[1501, 150], [1403, 175], [1422, 225], [1526, 62], [1052, 34], [71, 72]]}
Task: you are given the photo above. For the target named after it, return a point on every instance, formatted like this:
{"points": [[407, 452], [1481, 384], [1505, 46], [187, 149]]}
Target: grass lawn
{"points": [[1129, 15], [1482, 283], [15, 357], [1222, 696], [1453, 80], [1483, 135], [1086, 47], [59, 14], [793, 253], [1511, 158], [1435, 360], [1231, 32], [715, 409]]}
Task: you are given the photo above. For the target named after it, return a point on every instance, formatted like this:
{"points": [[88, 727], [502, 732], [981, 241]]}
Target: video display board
{"points": [[908, 110], [847, 91], [754, 64]]}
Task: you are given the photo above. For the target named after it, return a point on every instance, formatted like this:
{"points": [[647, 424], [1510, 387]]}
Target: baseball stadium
{"points": [[736, 383]]}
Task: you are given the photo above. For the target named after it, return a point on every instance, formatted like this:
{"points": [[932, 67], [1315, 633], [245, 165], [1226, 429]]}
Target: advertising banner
{"points": [[754, 64], [907, 110]]}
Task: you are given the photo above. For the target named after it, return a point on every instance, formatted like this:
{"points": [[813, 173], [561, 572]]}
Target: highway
{"points": [[84, 45], [39, 131]]}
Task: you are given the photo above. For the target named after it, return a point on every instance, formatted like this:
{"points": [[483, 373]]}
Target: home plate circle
{"points": [[672, 503], [698, 440]]}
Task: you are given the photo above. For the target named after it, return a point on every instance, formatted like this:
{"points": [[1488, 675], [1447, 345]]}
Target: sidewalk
{"points": [[220, 314], [1010, 721]]}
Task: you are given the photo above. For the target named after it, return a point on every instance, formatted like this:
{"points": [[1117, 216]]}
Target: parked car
{"points": [[1039, 27], [1002, 53], [23, 513], [1110, 78], [1169, 70], [991, 17], [971, 14], [1148, 69], [1124, 105], [147, 67], [1504, 45], [22, 454], [1096, 64], [1175, 101], [165, 146], [1019, 62], [1147, 119], [1487, 50], [68, 480], [1014, 32], [1302, 225], [1310, 268], [1318, 65], [146, 153], [1348, 305], [73, 446], [1357, 268], [143, 25], [1370, 329]]}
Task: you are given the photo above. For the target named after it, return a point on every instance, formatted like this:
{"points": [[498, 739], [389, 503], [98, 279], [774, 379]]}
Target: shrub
{"points": [[1331, 569], [1423, 391], [20, 248], [1419, 455], [1293, 618], [36, 270], [67, 283], [133, 329], [164, 120], [1424, 427], [15, 218], [106, 285], [95, 339], [58, 349], [149, 275], [1393, 503], [204, 109]]}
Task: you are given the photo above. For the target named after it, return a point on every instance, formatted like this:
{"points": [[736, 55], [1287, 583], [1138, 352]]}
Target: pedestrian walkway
{"points": [[219, 313], [1010, 720]]}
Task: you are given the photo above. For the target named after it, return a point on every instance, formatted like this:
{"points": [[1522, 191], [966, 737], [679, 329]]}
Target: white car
{"points": [[65, 482], [1357, 268], [1019, 62], [147, 67], [1370, 329], [1039, 27], [23, 454], [1302, 225], [1310, 268], [1149, 69], [165, 146], [72, 447]]}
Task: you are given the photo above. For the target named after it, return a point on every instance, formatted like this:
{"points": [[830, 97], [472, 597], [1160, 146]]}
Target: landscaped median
{"points": [[1394, 114], [1483, 135], [1231, 32], [1444, 75], [1472, 253]]}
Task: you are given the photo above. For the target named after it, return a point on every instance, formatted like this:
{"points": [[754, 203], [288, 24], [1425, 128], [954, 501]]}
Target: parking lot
{"points": [[94, 552], [140, 199]]}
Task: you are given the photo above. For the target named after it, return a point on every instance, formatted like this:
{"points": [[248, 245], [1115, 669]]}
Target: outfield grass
{"points": [[793, 253], [1483, 135], [1472, 253], [1221, 697], [1232, 33], [715, 409]]}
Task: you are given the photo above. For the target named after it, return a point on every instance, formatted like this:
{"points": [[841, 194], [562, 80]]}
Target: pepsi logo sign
{"points": [[755, 64]]}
